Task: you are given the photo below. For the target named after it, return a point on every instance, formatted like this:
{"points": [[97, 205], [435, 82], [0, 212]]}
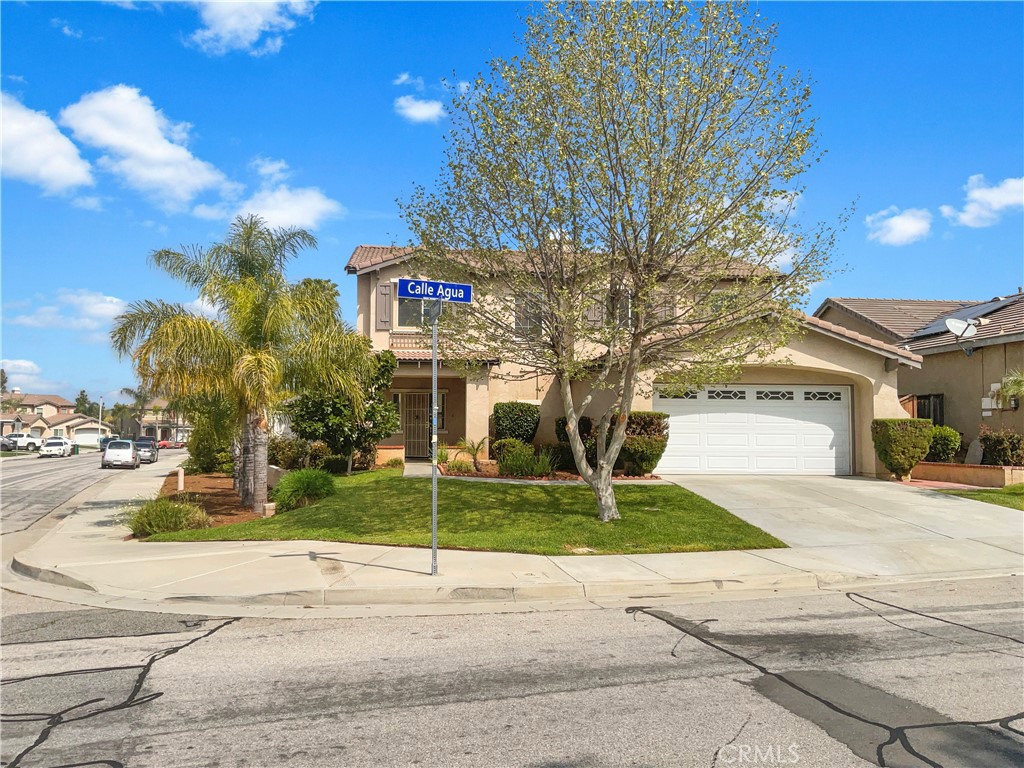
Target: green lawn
{"points": [[382, 507], [1011, 496]]}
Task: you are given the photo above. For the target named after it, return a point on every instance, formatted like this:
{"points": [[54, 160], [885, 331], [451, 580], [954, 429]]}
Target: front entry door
{"points": [[416, 423]]}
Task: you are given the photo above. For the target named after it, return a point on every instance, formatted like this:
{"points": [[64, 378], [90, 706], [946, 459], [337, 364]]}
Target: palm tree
{"points": [[141, 397], [269, 339], [1013, 385]]}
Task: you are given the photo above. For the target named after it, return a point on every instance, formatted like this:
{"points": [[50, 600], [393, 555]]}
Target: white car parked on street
{"points": [[56, 446], [120, 453]]}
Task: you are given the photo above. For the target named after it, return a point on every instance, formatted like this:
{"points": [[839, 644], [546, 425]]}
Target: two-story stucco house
{"points": [[809, 412]]}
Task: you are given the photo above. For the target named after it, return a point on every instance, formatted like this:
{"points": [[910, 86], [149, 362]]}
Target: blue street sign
{"points": [[460, 293]]}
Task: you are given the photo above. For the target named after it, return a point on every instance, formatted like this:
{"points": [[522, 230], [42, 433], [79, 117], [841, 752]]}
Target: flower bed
{"points": [[982, 475]]}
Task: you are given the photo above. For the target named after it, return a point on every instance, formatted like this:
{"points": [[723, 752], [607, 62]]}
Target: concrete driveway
{"points": [[837, 511]]}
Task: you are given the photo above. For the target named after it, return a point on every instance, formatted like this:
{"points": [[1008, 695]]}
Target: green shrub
{"points": [[318, 453], [901, 443], [166, 514], [518, 420], [287, 452], [224, 462], [945, 444], [336, 465], [644, 452], [1004, 447], [561, 457], [543, 463], [499, 447], [517, 460], [442, 453], [395, 463], [459, 467], [302, 487], [585, 426], [646, 424], [208, 453]]}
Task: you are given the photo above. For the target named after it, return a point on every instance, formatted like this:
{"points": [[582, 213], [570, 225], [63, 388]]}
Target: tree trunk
{"points": [[246, 476], [260, 438], [348, 471], [607, 507]]}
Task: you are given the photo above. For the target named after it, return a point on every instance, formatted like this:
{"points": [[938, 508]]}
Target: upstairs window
{"points": [[411, 313], [528, 317]]}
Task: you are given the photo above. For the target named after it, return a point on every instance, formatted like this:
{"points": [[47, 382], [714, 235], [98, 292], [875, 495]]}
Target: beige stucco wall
{"points": [[964, 381]]}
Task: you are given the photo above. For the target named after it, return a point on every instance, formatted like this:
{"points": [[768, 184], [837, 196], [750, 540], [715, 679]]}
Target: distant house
{"points": [[957, 383], [163, 423], [46, 416]]}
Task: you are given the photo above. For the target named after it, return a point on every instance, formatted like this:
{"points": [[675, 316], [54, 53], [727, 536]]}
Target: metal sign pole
{"points": [[435, 312]]}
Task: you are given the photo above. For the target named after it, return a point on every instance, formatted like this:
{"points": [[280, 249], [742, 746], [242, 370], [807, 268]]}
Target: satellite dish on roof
{"points": [[962, 329]]}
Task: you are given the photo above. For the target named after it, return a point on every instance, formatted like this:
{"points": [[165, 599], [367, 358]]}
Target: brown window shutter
{"points": [[384, 307]]}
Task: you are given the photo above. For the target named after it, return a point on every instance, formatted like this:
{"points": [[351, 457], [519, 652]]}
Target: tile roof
{"points": [[30, 400], [1005, 321], [367, 256], [897, 317], [846, 333]]}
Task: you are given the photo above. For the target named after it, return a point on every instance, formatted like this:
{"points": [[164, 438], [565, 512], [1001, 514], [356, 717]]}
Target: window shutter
{"points": [[384, 307]]}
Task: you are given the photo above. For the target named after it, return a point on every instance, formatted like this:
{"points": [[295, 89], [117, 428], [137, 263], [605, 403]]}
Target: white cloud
{"points": [[255, 27], [419, 110], [404, 78], [66, 28], [34, 150], [984, 204], [893, 227], [27, 375], [273, 171], [202, 307], [17, 78], [88, 203], [146, 149], [463, 86], [79, 310], [283, 206]]}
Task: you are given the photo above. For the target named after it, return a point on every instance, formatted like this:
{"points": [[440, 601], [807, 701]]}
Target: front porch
{"points": [[463, 411]]}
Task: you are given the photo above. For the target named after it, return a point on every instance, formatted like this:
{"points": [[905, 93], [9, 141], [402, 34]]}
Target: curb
{"points": [[48, 576]]}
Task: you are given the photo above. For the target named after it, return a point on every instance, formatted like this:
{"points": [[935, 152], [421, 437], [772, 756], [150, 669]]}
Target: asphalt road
{"points": [[926, 675], [31, 487]]}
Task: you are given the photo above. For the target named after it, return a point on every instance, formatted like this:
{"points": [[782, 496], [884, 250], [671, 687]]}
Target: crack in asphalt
{"points": [[856, 597], [896, 734], [133, 699]]}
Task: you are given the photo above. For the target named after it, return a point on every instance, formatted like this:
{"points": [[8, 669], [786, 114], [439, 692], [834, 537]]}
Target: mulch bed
{"points": [[490, 469], [216, 495]]}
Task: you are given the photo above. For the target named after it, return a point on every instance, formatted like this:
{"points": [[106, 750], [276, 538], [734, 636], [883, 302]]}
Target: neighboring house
{"points": [[957, 384], [808, 413], [39, 405], [160, 422], [78, 428]]}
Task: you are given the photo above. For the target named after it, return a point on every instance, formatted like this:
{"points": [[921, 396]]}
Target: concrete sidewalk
{"points": [[85, 559]]}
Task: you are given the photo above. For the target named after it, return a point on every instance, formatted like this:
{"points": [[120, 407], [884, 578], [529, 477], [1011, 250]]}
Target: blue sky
{"points": [[129, 127]]}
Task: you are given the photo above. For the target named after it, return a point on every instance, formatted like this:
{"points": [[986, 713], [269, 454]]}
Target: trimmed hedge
{"points": [[1002, 448], [945, 444], [644, 452], [585, 426], [646, 424], [498, 447], [901, 443], [518, 420]]}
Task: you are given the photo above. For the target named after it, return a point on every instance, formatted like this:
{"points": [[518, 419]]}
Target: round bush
{"points": [[901, 443], [945, 444], [166, 515], [302, 487], [287, 452], [499, 447], [517, 420], [517, 460], [644, 452]]}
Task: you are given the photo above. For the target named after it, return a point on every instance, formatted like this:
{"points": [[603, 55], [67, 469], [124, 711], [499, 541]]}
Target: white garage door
{"points": [[759, 430]]}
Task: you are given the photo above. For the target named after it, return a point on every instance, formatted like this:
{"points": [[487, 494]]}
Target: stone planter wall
{"points": [[969, 474]]}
